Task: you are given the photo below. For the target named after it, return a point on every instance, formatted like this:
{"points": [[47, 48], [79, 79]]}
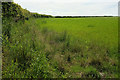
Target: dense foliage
{"points": [[11, 9]]}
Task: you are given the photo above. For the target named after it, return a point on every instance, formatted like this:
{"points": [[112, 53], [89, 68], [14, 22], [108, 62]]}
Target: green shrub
{"points": [[91, 72]]}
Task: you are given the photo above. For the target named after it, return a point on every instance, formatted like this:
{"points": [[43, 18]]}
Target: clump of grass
{"points": [[91, 72], [75, 47], [60, 37], [90, 26], [45, 30]]}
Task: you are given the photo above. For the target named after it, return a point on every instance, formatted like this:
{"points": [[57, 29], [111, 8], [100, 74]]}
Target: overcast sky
{"points": [[71, 7]]}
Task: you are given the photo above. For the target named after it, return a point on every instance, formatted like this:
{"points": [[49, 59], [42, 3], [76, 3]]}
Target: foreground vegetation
{"points": [[35, 51], [60, 48]]}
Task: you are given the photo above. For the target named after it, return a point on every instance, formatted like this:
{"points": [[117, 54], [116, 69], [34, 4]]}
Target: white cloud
{"points": [[66, 0], [71, 7]]}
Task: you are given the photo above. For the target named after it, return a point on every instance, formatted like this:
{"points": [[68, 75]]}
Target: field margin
{"points": [[1, 34]]}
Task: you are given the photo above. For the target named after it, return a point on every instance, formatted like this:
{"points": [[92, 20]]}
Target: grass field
{"points": [[101, 30], [61, 48]]}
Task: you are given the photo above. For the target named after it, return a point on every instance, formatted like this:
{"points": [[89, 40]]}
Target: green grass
{"points": [[60, 48], [100, 30]]}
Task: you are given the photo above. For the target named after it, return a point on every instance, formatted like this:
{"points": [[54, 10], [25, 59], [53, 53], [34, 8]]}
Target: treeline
{"points": [[79, 16], [11, 9], [36, 15]]}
